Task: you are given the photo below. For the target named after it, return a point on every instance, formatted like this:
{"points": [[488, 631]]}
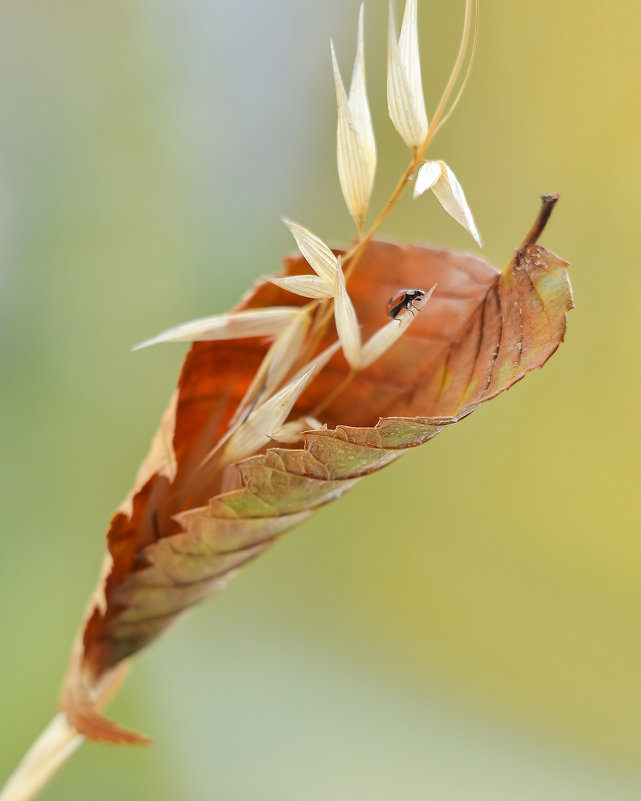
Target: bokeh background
{"points": [[485, 647]]}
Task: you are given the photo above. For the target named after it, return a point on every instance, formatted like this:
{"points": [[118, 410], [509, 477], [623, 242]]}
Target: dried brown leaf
{"points": [[185, 531]]}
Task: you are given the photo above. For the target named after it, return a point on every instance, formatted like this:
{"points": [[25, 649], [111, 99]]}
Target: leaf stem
{"points": [[548, 202], [458, 65], [48, 753]]}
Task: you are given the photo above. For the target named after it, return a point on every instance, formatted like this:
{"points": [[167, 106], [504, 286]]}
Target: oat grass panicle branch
{"points": [[306, 387]]}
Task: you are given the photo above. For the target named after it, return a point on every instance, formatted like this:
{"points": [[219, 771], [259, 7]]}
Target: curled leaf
{"points": [[185, 531]]}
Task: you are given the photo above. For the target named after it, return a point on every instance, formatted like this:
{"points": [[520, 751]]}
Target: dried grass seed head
{"points": [[346, 320], [309, 286], [318, 255], [405, 100], [291, 433], [356, 145], [438, 176], [252, 434], [279, 360], [267, 322]]}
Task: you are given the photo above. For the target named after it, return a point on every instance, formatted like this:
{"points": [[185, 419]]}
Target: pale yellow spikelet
{"points": [[426, 177], [309, 286], [358, 103], [356, 145], [291, 433], [232, 325], [244, 437], [278, 361], [439, 177], [253, 433], [347, 325], [411, 61], [315, 251], [405, 100]]}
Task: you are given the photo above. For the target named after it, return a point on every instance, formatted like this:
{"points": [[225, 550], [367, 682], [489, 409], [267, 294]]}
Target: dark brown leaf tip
{"points": [[548, 202]]}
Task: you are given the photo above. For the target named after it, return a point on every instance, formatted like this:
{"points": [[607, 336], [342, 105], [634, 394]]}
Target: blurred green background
{"points": [[488, 648]]}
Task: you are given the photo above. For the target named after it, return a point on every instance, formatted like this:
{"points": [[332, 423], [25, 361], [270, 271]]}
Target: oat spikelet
{"points": [[232, 325], [356, 145], [437, 176], [405, 100]]}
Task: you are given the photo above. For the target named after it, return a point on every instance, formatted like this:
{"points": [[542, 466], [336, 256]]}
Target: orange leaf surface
{"points": [[187, 527]]}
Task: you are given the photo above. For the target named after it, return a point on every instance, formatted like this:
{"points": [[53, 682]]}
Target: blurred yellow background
{"points": [[486, 646]]}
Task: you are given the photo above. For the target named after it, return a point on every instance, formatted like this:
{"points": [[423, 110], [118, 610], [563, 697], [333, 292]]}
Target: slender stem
{"points": [[48, 753], [353, 255], [468, 71], [456, 69], [548, 202]]}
